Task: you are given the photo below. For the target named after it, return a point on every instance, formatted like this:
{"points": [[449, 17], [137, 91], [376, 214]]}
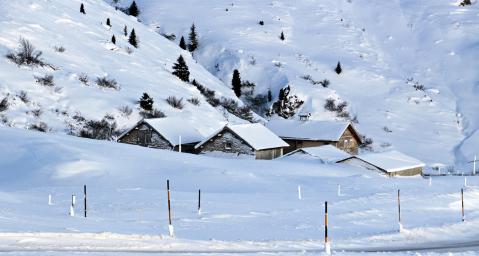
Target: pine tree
{"points": [[182, 43], [146, 102], [270, 95], [133, 9], [108, 23], [282, 36], [181, 69], [125, 31], [82, 9], [236, 83], [193, 36], [133, 40], [338, 68], [113, 39]]}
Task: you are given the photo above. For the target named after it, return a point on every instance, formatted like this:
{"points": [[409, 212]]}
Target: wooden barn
{"points": [[163, 133], [244, 139], [391, 163], [308, 133]]}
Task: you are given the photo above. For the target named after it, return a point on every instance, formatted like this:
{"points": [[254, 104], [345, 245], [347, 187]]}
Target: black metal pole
{"points": [[199, 200], [84, 200]]}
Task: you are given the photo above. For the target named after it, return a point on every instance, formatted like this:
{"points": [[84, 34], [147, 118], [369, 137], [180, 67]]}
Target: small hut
{"points": [[309, 133], [244, 139], [392, 163]]}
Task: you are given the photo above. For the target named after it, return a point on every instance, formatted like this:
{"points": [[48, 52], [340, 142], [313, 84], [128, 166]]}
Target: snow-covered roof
{"points": [[308, 130], [391, 161], [326, 153], [172, 128], [256, 135]]}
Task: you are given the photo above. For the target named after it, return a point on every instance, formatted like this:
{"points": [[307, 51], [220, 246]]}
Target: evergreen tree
{"points": [[82, 9], [133, 40], [182, 43], [338, 68], [146, 102], [270, 95], [193, 36], [236, 83], [113, 39], [181, 69], [108, 23], [282, 36], [125, 31], [133, 9]]}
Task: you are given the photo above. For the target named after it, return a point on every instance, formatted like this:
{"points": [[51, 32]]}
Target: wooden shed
{"points": [[163, 133], [244, 139], [305, 134], [391, 163]]}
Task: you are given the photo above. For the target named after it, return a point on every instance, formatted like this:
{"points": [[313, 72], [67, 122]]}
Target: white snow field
{"points": [[381, 44], [248, 206]]}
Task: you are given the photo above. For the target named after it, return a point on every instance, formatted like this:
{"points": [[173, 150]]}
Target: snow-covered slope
{"points": [[385, 47], [89, 51]]}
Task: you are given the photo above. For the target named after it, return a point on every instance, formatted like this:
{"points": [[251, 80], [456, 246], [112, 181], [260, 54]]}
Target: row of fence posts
{"points": [[327, 244]]}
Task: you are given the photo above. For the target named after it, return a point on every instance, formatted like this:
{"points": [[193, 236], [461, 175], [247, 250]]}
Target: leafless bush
{"points": [[339, 108], [175, 102], [22, 95], [330, 105], [104, 129], [325, 83], [366, 143], [128, 50], [59, 48], [195, 101], [83, 78], [4, 104], [41, 127], [386, 129], [125, 111], [37, 112], [155, 113], [104, 82], [26, 55], [46, 80]]}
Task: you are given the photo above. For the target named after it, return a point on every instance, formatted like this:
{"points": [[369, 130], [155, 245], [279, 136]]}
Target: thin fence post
{"points": [[72, 206], [299, 193], [199, 201], [84, 200], [170, 225], [327, 245], [339, 189], [399, 211], [474, 168], [465, 181], [462, 203], [50, 199]]}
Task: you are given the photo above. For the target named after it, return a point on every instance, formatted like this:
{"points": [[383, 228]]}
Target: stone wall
{"points": [[227, 142], [144, 136]]}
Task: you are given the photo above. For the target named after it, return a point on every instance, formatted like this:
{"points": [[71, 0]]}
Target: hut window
{"points": [[228, 145]]}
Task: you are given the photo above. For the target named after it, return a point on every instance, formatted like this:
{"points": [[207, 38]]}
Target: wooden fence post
{"points": [[84, 200], [199, 201], [72, 206], [170, 225], [462, 204], [327, 245]]}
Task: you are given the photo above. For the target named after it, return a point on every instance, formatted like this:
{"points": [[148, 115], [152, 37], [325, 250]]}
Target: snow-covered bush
{"points": [[41, 127], [83, 78], [26, 55], [104, 129], [257, 103], [155, 113], [59, 49], [37, 112], [125, 111], [104, 82], [339, 108], [46, 80], [465, 2], [366, 143], [22, 95], [175, 102], [195, 101], [4, 104], [146, 102], [286, 105]]}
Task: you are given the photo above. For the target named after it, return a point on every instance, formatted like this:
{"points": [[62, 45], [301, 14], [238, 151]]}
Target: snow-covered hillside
{"points": [[247, 205], [88, 51], [385, 48]]}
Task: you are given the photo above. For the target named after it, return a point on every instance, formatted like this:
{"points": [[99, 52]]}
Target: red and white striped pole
{"points": [[170, 225], [327, 244]]}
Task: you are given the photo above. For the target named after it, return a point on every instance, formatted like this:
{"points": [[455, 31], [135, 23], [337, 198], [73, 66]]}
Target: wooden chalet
{"points": [[244, 139], [308, 133]]}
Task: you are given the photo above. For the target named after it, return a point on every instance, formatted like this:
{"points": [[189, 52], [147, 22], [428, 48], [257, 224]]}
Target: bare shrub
{"points": [[155, 113], [83, 78], [4, 104], [325, 83], [125, 111], [195, 101], [22, 95], [37, 112], [41, 127], [26, 55], [104, 82], [104, 129], [59, 49], [46, 80], [366, 143], [330, 105], [128, 50], [175, 102], [386, 129]]}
